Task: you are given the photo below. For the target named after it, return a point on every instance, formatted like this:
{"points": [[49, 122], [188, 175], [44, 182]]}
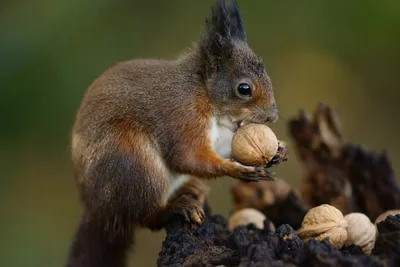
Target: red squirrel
{"points": [[147, 128]]}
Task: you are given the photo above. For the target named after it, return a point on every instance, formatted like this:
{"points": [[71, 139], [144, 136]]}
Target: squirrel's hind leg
{"points": [[185, 200], [192, 187]]}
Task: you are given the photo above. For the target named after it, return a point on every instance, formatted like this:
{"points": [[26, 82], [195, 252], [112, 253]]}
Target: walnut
{"points": [[324, 221], [254, 144], [246, 216], [384, 215], [360, 231]]}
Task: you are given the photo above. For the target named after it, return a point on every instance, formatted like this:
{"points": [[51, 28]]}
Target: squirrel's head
{"points": [[235, 76]]}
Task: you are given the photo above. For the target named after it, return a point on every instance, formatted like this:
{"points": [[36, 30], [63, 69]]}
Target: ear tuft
{"points": [[217, 39], [236, 23], [223, 27], [219, 22]]}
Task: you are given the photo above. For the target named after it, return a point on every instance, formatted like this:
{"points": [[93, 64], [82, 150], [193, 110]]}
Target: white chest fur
{"points": [[221, 137]]}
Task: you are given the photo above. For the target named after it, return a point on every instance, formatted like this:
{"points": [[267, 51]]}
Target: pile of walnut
{"points": [[326, 221], [322, 222]]}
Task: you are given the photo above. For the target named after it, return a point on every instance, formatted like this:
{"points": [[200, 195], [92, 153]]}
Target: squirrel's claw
{"points": [[281, 155], [258, 174], [250, 173], [189, 208]]}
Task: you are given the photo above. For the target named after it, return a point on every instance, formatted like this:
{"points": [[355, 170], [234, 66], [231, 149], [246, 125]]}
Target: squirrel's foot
{"points": [[281, 155], [187, 201], [188, 207]]}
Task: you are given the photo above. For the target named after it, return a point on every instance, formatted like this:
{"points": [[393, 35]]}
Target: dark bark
{"points": [[212, 244], [339, 173]]}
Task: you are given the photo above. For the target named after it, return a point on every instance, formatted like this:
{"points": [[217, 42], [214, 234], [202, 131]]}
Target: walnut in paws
{"points": [[254, 145]]}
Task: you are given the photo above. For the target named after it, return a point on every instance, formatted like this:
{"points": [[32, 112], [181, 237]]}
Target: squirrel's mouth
{"points": [[239, 123], [232, 124]]}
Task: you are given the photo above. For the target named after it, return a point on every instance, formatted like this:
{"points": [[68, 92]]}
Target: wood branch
{"points": [[339, 173]]}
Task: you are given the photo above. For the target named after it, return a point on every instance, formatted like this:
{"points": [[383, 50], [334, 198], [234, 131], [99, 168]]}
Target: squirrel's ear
{"points": [[217, 40], [236, 24]]}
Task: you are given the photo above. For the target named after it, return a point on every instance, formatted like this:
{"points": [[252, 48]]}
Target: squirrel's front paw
{"points": [[281, 155], [251, 173]]}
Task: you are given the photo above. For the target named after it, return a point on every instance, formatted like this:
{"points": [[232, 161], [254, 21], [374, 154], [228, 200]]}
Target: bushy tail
{"points": [[95, 246]]}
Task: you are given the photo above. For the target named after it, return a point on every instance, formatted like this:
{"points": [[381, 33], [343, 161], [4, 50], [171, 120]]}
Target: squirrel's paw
{"points": [[281, 155], [191, 209], [252, 174]]}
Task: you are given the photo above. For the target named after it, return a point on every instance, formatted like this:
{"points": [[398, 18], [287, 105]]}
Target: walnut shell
{"points": [[246, 216], [324, 221], [254, 144], [360, 231], [384, 215]]}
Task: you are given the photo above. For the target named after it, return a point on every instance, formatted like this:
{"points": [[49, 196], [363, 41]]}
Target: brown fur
{"points": [[142, 120]]}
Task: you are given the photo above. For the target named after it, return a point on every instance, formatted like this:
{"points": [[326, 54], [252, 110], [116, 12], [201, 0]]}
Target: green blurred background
{"points": [[344, 53]]}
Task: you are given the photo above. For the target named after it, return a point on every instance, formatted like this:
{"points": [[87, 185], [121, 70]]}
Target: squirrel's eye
{"points": [[244, 89]]}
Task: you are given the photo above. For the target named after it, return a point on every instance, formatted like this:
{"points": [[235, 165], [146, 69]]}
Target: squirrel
{"points": [[149, 128]]}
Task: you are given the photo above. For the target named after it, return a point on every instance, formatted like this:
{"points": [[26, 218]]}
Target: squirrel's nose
{"points": [[272, 115], [273, 118]]}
